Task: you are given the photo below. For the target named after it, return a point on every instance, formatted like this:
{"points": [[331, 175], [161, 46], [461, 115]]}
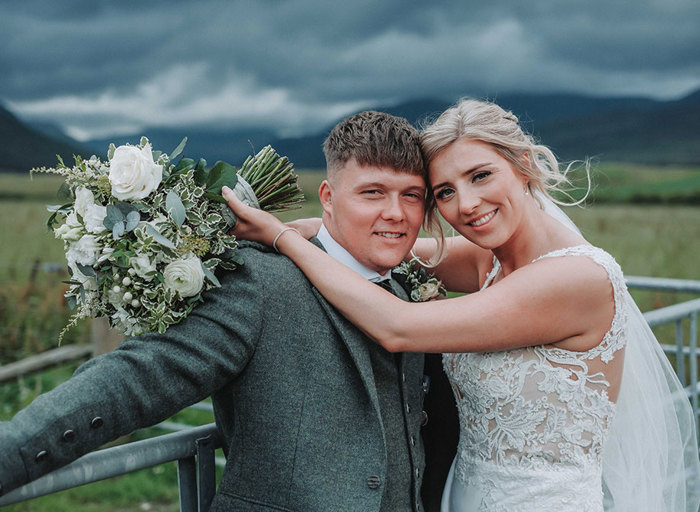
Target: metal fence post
{"points": [[680, 354], [206, 473], [187, 484], [694, 361]]}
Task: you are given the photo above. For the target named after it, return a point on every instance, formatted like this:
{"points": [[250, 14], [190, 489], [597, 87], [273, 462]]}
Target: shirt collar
{"points": [[341, 254]]}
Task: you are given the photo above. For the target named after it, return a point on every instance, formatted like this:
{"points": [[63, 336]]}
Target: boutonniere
{"points": [[423, 286]]}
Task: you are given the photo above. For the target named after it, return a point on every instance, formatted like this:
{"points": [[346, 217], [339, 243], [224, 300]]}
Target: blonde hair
{"points": [[487, 122]]}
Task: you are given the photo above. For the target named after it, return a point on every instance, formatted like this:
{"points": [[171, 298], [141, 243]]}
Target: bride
{"points": [[566, 401]]}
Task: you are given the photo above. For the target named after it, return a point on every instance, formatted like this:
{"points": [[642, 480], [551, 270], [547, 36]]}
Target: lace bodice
{"points": [[536, 417]]}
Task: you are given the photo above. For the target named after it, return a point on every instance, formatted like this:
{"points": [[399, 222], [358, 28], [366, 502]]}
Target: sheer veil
{"points": [[650, 460]]}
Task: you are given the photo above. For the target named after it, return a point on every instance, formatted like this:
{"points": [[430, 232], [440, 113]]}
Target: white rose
{"points": [[83, 200], [71, 230], [84, 251], [427, 291], [143, 266], [184, 276], [133, 173], [94, 218]]}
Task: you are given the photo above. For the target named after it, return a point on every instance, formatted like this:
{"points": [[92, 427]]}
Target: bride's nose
{"points": [[468, 201]]}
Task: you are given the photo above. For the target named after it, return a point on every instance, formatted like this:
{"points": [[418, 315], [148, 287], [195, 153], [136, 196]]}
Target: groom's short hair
{"points": [[376, 139]]}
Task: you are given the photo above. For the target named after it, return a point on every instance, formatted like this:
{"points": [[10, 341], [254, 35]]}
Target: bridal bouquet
{"points": [[144, 235]]}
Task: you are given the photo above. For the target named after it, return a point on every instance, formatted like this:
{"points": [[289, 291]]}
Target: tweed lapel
{"points": [[354, 340]]}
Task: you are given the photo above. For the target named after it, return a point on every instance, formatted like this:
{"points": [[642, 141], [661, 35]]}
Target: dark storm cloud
{"points": [[297, 63]]}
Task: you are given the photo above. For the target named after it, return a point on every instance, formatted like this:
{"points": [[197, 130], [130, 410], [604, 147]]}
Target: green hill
{"points": [[22, 148]]}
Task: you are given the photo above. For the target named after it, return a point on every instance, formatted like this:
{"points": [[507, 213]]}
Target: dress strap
{"points": [[492, 273], [614, 339]]}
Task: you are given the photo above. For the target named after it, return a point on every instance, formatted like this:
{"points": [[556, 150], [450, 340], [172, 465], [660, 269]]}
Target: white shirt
{"points": [[341, 254]]}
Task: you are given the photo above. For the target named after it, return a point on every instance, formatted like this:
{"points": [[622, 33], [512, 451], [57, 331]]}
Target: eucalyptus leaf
{"points": [[125, 208], [86, 270], [72, 302], [176, 152], [174, 205], [159, 238], [118, 230], [132, 220], [144, 141], [64, 193], [114, 215], [110, 151], [210, 275]]}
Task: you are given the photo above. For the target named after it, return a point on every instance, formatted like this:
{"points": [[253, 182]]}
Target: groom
{"points": [[313, 415]]}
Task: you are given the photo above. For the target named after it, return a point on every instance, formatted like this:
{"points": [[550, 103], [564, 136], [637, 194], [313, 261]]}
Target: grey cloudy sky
{"points": [[101, 67]]}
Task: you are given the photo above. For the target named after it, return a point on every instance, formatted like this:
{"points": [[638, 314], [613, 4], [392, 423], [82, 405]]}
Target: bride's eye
{"points": [[480, 176], [444, 193]]}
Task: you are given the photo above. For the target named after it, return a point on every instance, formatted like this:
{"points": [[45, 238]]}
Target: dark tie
{"points": [[386, 284], [394, 288]]}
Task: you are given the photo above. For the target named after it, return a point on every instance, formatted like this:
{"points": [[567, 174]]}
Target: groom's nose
{"points": [[393, 209]]}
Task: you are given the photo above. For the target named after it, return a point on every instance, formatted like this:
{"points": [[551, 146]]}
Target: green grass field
{"points": [[661, 240]]}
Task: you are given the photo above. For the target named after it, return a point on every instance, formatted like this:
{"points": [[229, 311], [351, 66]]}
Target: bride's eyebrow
{"points": [[465, 173]]}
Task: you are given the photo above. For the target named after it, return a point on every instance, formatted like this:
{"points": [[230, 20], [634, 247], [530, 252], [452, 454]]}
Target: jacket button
{"points": [[68, 435], [423, 419], [373, 482], [96, 422], [41, 456]]}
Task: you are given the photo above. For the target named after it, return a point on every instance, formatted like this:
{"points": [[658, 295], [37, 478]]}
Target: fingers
{"points": [[233, 202], [252, 224]]}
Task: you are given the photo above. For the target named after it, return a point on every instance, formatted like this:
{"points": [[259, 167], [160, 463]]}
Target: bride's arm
{"points": [[461, 264], [534, 306]]}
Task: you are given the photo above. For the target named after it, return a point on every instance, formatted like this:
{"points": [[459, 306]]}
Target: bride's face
{"points": [[478, 192]]}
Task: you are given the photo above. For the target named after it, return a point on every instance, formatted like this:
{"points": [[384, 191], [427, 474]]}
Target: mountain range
{"points": [[622, 129]]}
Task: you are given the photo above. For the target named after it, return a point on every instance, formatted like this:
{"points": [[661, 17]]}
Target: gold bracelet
{"points": [[284, 230]]}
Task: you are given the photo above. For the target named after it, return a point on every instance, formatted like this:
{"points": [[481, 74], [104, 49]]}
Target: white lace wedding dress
{"points": [[533, 420]]}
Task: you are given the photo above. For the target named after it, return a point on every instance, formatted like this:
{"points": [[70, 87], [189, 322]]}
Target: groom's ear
{"points": [[325, 194]]}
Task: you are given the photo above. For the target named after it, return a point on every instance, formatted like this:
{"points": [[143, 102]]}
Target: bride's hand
{"points": [[307, 227], [253, 224]]}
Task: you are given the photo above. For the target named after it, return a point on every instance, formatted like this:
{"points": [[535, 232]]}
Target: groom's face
{"points": [[375, 213]]}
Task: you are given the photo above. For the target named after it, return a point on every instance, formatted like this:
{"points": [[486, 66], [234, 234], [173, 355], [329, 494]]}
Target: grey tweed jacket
{"points": [[291, 382]]}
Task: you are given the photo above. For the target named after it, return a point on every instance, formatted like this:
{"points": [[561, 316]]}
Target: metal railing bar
{"points": [[115, 461], [671, 313], [663, 283], [202, 406]]}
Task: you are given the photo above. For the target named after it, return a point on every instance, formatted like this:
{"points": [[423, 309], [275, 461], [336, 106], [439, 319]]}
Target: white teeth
{"points": [[390, 235], [484, 219]]}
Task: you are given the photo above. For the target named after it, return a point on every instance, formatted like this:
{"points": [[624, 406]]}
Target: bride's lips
{"points": [[482, 220]]}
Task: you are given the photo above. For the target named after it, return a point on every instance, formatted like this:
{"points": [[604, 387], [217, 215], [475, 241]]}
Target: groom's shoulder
{"points": [[262, 261]]}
